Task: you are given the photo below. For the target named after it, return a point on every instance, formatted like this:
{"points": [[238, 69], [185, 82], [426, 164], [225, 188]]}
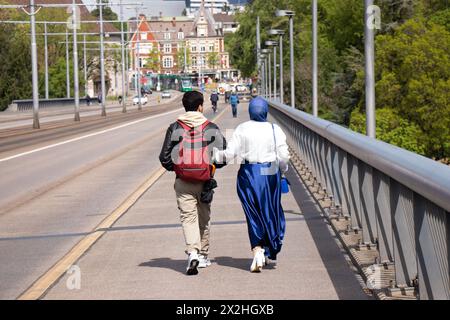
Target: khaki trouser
{"points": [[194, 216]]}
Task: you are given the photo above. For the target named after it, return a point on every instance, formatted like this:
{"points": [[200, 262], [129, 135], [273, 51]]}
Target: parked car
{"points": [[166, 94], [144, 100]]}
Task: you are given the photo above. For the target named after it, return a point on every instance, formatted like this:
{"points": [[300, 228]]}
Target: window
{"points": [[180, 35], [167, 48], [194, 49], [202, 49], [211, 48], [143, 36], [194, 61], [167, 62], [166, 35]]}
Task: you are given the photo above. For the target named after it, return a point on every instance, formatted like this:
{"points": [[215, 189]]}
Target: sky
{"points": [[152, 7]]}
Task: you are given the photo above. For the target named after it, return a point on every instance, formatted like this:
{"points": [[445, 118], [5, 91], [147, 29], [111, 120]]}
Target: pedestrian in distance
{"points": [[214, 98], [187, 150], [263, 148], [120, 99], [99, 98], [234, 101], [88, 100]]}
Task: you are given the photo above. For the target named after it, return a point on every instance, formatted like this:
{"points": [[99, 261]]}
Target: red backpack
{"points": [[193, 157]]}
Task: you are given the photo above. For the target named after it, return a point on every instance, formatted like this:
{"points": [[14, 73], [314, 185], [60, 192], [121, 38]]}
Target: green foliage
{"points": [[412, 51], [152, 62], [107, 13], [15, 64], [393, 129], [212, 59], [181, 57], [413, 71]]}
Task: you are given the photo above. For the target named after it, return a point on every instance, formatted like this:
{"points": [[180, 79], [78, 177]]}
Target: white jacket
{"points": [[253, 141]]}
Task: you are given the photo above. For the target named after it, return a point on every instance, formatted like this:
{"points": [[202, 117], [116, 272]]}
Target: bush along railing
{"points": [[388, 206]]}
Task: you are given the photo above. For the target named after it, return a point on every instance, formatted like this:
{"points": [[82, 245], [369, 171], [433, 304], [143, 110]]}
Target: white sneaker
{"points": [[271, 263], [258, 261], [193, 262], [203, 261]]}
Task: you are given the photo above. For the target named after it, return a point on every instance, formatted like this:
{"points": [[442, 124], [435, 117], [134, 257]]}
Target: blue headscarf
{"points": [[258, 109]]}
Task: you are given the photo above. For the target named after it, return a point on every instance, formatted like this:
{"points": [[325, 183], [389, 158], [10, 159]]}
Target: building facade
{"points": [[180, 45]]}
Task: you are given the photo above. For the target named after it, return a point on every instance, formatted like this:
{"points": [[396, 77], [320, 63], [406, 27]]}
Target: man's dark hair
{"points": [[192, 100]]}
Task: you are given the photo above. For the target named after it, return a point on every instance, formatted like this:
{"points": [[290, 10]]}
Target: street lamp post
{"points": [[76, 89], [369, 47], [85, 66], [290, 14], [258, 53], [122, 43], [274, 44], [137, 59], [315, 97], [261, 74], [269, 72], [280, 33], [46, 61], [34, 67], [102, 63], [67, 66]]}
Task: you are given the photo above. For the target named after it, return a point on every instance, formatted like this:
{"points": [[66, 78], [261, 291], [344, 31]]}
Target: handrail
{"points": [[427, 177], [394, 203]]}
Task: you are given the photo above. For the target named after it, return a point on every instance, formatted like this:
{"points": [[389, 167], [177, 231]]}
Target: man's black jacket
{"points": [[173, 137]]}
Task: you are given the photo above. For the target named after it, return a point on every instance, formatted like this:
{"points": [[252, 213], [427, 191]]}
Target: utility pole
{"points": [[269, 67], [369, 47], [34, 67], [315, 99], [274, 73], [85, 66], [291, 40], [138, 62], [185, 57], [46, 60], [76, 88], [102, 62], [122, 42], [67, 67], [258, 52]]}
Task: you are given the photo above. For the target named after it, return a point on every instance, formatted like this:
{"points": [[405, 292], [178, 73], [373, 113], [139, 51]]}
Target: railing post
{"points": [[432, 230], [403, 234]]}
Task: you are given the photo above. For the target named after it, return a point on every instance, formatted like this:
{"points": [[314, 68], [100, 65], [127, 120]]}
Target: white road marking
{"points": [[88, 135]]}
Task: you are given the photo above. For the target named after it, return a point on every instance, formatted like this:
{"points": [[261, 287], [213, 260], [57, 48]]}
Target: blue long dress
{"points": [[260, 196]]}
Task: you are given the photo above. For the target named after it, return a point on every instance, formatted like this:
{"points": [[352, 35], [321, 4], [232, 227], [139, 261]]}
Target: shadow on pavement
{"points": [[342, 277], [167, 263]]}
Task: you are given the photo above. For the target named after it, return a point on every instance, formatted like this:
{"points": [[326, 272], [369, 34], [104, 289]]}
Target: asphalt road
{"points": [[57, 184]]}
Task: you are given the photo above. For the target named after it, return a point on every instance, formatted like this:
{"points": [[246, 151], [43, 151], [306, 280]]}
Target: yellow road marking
{"points": [[44, 283]]}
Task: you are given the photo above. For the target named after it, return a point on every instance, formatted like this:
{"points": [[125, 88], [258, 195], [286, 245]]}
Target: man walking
{"points": [[187, 150], [214, 99], [234, 101]]}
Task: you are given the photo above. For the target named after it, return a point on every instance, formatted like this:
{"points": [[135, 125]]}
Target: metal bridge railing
{"points": [[398, 200]]}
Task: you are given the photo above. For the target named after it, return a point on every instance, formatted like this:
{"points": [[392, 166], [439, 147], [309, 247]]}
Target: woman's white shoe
{"points": [[258, 261]]}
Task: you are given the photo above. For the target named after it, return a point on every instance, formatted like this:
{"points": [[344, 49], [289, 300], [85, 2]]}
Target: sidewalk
{"points": [[142, 255]]}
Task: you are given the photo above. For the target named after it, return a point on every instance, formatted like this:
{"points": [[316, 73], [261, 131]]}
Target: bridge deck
{"points": [[142, 255]]}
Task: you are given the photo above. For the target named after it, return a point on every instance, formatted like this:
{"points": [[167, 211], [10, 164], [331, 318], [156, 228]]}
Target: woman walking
{"points": [[265, 154]]}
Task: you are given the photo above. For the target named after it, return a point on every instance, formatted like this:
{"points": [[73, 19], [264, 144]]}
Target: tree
{"points": [[393, 129], [152, 62], [181, 57], [212, 59], [15, 64], [413, 72], [108, 13]]}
